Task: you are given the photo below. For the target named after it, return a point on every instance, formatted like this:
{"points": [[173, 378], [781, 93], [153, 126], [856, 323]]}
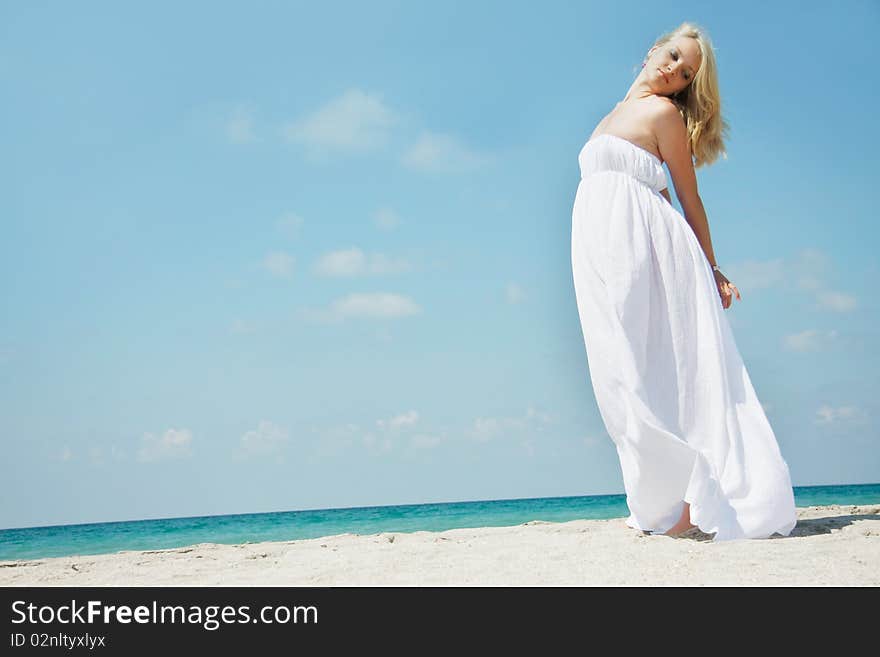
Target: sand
{"points": [[831, 546]]}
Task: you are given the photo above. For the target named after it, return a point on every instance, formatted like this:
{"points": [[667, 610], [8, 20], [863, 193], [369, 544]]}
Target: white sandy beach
{"points": [[831, 545]]}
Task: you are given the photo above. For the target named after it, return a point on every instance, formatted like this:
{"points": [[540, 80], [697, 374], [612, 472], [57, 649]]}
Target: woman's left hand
{"points": [[726, 289]]}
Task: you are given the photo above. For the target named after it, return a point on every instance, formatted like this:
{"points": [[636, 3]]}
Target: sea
{"points": [[163, 533]]}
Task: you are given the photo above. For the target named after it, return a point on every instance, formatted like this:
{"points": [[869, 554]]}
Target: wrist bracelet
{"points": [[715, 267]]}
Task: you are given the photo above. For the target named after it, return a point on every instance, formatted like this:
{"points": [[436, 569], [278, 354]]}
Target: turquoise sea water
{"points": [[104, 537]]}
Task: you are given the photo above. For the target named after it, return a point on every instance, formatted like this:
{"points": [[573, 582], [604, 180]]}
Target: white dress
{"points": [[669, 381]]}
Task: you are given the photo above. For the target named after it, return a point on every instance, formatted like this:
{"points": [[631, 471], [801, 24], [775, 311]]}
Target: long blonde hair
{"points": [[700, 102]]}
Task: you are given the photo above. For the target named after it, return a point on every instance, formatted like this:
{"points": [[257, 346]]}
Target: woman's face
{"points": [[672, 66]]}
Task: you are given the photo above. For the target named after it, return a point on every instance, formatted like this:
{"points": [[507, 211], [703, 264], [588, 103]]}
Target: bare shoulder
{"points": [[667, 122], [671, 133]]}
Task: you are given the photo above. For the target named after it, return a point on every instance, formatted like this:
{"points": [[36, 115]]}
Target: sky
{"points": [[295, 255]]}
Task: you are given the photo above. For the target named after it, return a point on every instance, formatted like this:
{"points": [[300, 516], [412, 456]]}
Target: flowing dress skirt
{"points": [[671, 387]]}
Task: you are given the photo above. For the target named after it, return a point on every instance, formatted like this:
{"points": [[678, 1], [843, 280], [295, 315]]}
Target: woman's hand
{"points": [[725, 289]]}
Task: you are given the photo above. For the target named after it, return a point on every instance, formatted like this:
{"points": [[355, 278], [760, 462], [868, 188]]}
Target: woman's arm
{"points": [[665, 194], [672, 141]]}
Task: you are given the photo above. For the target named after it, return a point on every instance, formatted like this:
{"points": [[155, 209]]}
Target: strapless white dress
{"points": [[671, 387]]}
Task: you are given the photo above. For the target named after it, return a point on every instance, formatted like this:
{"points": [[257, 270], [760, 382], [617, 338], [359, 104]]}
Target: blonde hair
{"points": [[700, 102]]}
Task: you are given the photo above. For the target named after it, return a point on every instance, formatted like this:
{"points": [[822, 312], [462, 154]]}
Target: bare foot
{"points": [[683, 524]]}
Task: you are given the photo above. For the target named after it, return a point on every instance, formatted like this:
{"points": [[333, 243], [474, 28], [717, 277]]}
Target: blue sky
{"points": [[271, 256]]}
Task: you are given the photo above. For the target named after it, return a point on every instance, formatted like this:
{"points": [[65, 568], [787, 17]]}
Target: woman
{"points": [[695, 447]]}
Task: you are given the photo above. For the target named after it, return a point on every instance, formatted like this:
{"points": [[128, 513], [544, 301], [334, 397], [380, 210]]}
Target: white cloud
{"points": [[375, 305], [836, 301], [240, 127], [538, 417], [355, 122], [425, 441], [443, 153], [407, 419], [346, 432], [829, 414], [378, 443], [354, 262], [386, 219], [485, 429], [345, 262], [267, 438], [808, 282], [242, 327], [379, 263], [807, 271], [811, 269], [290, 224], [336, 439], [809, 340], [174, 443], [514, 293], [96, 454], [390, 430], [755, 274], [279, 264], [368, 305], [400, 429], [810, 266]]}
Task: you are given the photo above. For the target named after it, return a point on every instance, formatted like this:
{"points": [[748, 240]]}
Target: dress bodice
{"points": [[607, 152]]}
